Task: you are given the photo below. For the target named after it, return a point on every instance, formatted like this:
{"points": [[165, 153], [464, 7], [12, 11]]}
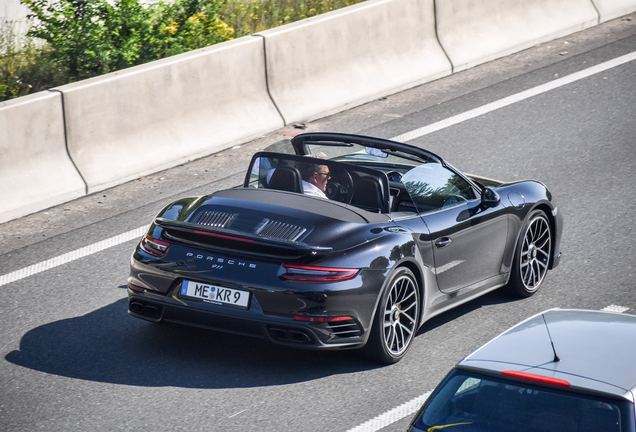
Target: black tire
{"points": [[532, 256], [396, 318]]}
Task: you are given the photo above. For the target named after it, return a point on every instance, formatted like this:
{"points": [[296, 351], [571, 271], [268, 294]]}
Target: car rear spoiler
{"points": [[226, 234]]}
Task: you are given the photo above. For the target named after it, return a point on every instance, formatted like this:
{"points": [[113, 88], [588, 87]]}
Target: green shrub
{"points": [[24, 66], [92, 37], [78, 39], [251, 16]]}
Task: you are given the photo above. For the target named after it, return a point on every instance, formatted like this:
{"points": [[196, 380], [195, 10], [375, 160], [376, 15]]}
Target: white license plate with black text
{"points": [[215, 294]]}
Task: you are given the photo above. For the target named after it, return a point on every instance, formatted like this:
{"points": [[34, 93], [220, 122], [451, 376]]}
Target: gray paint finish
{"points": [[596, 349]]}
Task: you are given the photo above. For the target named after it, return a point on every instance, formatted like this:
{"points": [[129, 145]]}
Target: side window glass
{"points": [[468, 385], [433, 187], [261, 172]]}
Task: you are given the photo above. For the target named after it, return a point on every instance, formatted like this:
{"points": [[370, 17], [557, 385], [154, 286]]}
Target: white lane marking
{"points": [[615, 308], [72, 256], [514, 98], [97, 247], [390, 417]]}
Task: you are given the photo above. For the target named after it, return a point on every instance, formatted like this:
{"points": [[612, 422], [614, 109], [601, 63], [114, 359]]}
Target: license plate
{"points": [[216, 294]]}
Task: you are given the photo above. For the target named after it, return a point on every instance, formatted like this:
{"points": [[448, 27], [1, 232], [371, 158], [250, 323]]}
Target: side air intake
{"points": [[345, 329]]}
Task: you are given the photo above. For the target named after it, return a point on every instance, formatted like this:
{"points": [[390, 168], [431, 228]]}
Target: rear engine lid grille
{"points": [[252, 223], [216, 219], [280, 230]]}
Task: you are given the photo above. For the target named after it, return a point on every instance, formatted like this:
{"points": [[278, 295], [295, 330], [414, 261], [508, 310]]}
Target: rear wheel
{"points": [[395, 322], [532, 257]]}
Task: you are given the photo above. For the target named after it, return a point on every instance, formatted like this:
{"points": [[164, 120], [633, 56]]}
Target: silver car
{"points": [[558, 371]]}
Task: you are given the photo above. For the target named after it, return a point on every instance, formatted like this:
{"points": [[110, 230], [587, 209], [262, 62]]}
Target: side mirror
{"points": [[490, 198]]}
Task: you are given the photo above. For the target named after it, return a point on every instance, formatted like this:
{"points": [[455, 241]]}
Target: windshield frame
{"points": [[302, 141]]}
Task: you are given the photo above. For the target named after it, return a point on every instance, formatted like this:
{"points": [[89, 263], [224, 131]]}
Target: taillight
{"points": [[317, 274], [308, 318], [537, 378], [154, 247], [135, 288]]}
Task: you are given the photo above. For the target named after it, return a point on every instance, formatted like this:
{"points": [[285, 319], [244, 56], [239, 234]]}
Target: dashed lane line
{"points": [[615, 308], [72, 256], [390, 417], [451, 121]]}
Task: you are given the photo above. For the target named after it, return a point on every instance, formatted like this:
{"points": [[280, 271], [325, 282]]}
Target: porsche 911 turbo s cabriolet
{"points": [[342, 241]]}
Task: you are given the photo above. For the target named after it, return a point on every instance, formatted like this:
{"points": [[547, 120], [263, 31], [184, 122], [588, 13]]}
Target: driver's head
{"points": [[316, 174]]}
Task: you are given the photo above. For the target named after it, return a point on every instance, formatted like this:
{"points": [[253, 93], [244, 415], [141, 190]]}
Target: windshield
{"points": [[469, 402], [355, 149], [352, 153]]}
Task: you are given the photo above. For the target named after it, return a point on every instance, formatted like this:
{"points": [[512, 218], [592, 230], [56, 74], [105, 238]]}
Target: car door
{"points": [[468, 239]]}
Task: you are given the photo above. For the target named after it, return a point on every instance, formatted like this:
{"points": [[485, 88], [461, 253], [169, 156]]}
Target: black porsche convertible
{"points": [[342, 241]]}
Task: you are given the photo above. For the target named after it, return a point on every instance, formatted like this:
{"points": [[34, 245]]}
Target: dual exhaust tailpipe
{"points": [[290, 335], [147, 310]]}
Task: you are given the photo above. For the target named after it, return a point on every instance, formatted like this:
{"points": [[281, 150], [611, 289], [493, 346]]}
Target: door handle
{"points": [[443, 242]]}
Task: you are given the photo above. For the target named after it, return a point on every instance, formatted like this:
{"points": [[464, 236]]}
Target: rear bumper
{"points": [[279, 330]]}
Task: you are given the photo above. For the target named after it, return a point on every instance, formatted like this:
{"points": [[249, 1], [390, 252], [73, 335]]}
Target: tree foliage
{"points": [[71, 40], [251, 16], [92, 37]]}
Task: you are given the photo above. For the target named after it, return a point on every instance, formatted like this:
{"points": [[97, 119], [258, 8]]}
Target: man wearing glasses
{"points": [[315, 179]]}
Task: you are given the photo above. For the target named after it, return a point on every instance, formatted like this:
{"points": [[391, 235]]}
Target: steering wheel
{"points": [[340, 186], [453, 200]]}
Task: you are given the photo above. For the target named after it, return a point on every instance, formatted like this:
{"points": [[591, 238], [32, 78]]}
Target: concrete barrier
{"points": [[138, 121], [144, 119], [36, 172], [477, 31], [344, 58], [610, 9]]}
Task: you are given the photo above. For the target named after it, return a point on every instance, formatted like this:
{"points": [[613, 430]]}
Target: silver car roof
{"points": [[596, 350]]}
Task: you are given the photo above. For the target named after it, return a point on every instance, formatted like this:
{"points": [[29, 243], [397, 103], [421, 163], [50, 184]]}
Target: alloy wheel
{"points": [[400, 315]]}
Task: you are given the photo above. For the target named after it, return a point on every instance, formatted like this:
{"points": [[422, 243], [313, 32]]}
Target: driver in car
{"points": [[315, 178]]}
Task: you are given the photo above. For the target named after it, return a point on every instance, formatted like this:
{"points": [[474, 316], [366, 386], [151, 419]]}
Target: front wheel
{"points": [[532, 257], [395, 322]]}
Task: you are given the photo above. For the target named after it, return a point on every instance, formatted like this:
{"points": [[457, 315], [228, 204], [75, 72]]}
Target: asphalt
{"points": [[72, 359]]}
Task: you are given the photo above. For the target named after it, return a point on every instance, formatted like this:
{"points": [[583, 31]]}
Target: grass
{"points": [[251, 16], [26, 68], [24, 65]]}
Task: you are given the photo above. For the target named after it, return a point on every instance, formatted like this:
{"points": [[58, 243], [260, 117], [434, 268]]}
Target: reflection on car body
{"points": [[403, 236]]}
